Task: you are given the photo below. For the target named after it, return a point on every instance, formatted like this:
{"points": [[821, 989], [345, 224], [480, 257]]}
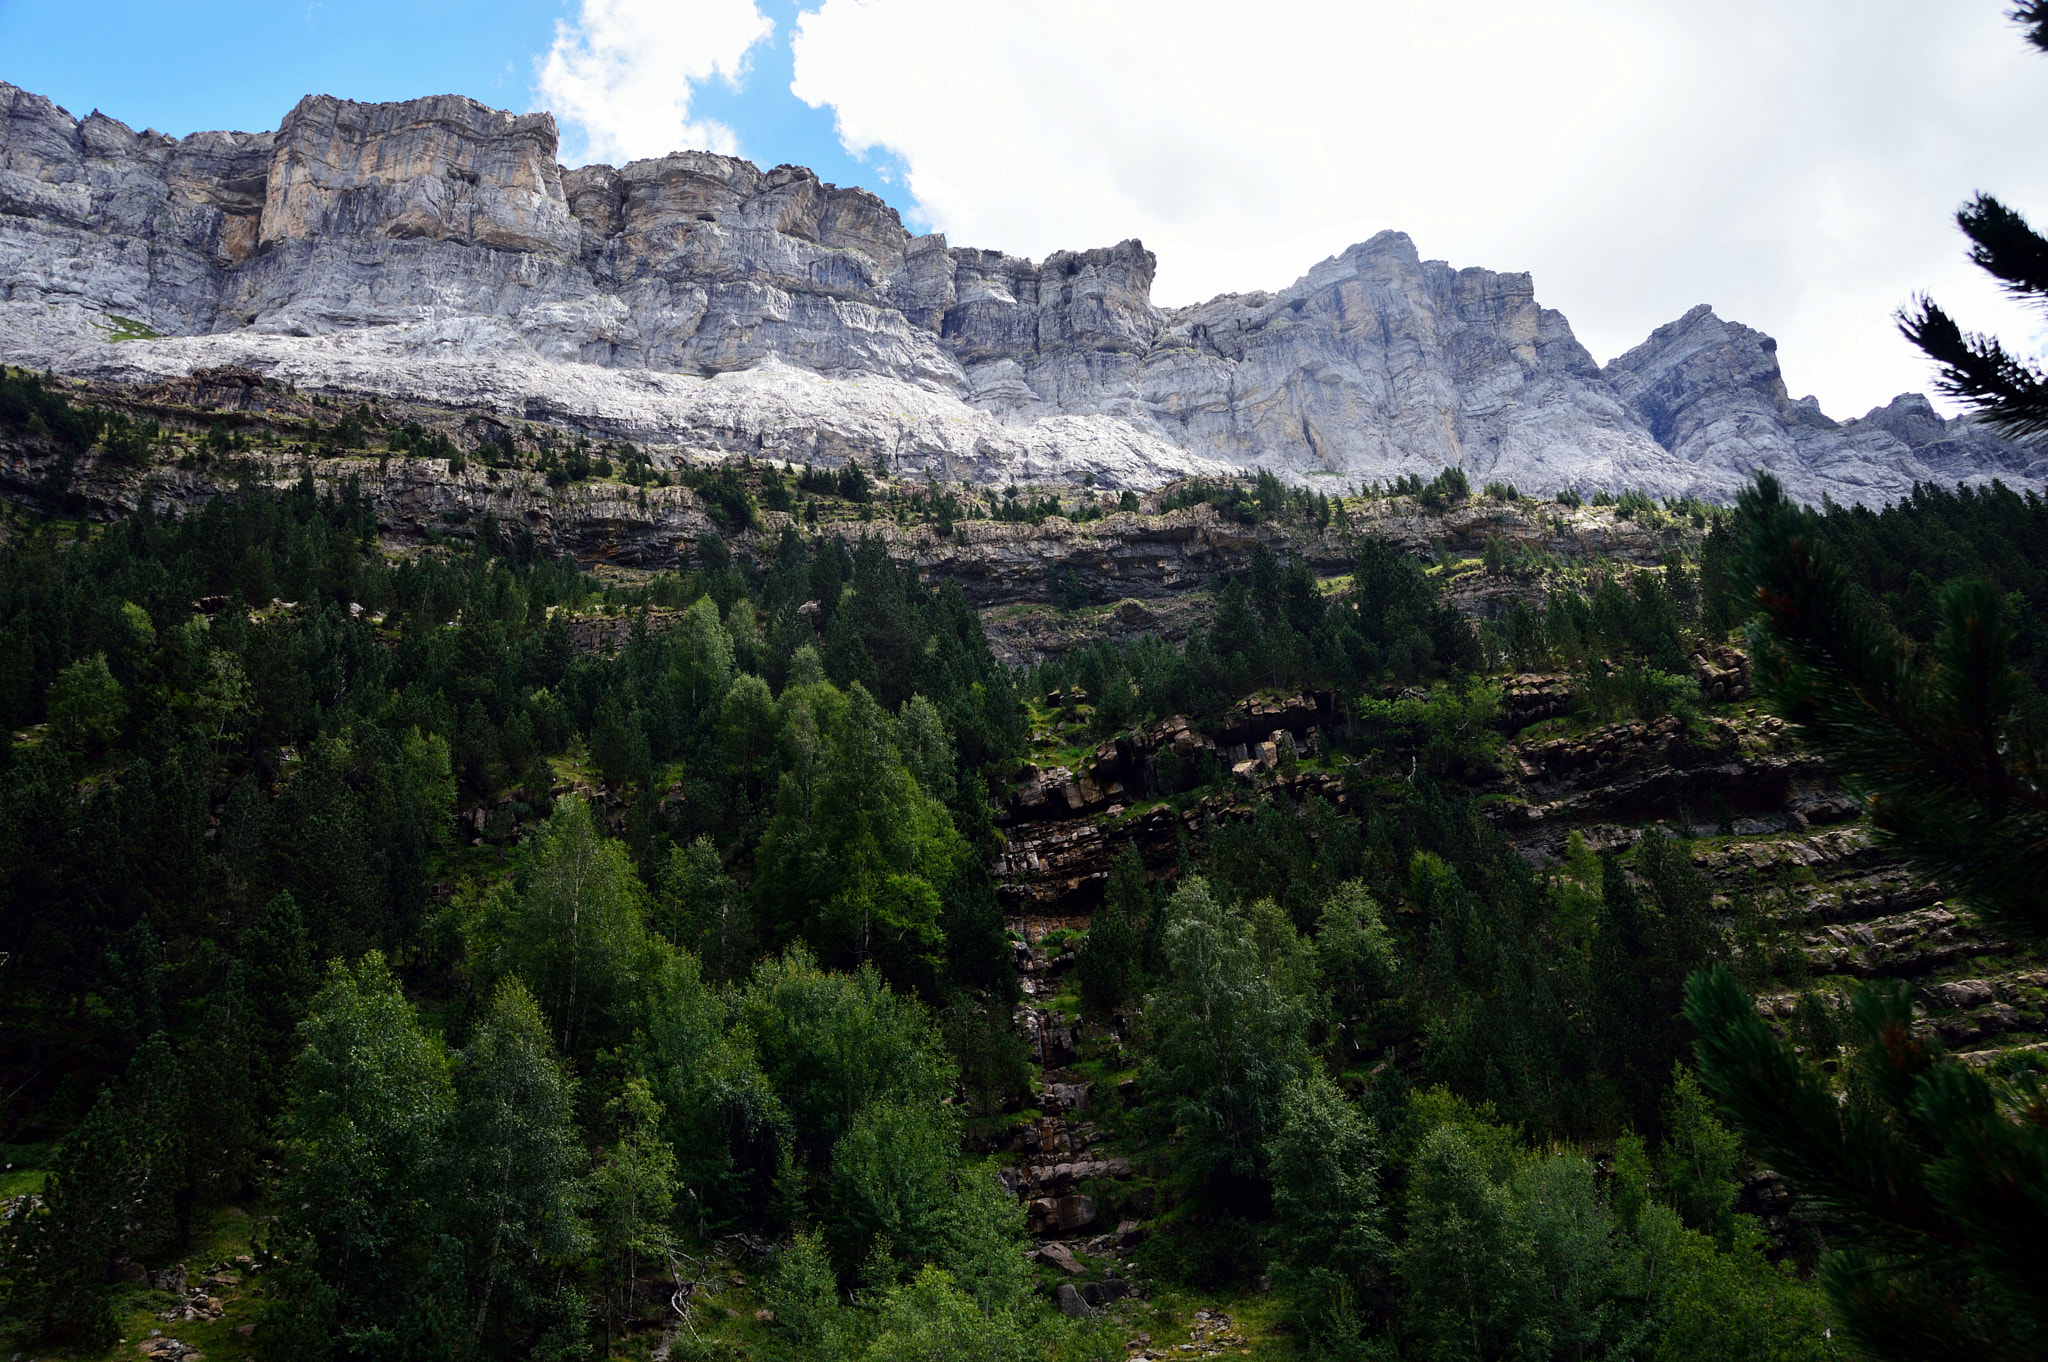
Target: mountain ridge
{"points": [[434, 249]]}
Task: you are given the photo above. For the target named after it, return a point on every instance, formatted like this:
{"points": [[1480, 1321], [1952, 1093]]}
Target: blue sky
{"points": [[198, 64]]}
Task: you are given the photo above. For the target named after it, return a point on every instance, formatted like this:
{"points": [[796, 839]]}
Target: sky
{"points": [[1793, 163]]}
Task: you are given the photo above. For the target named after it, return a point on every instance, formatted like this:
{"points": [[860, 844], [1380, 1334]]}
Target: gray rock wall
{"points": [[434, 249]]}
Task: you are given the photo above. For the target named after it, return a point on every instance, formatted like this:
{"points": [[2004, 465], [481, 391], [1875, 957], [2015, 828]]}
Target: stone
{"points": [[1070, 1301], [434, 250], [1061, 1257], [1076, 1212]]}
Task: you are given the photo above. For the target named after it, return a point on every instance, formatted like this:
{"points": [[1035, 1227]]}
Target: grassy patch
{"points": [[119, 328], [22, 1168]]}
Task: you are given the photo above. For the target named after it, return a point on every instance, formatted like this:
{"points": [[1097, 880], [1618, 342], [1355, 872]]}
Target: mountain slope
{"points": [[434, 249]]}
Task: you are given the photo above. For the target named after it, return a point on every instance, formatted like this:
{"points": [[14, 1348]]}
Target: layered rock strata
{"points": [[1155, 566], [434, 250]]}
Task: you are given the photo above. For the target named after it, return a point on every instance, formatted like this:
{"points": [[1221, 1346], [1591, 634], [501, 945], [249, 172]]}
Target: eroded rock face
{"points": [[434, 250]]}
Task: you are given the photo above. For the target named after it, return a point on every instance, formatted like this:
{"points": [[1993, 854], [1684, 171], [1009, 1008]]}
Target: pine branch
{"points": [[1940, 748], [2004, 246], [2032, 15], [2007, 393], [1844, 1162], [1930, 1186]]}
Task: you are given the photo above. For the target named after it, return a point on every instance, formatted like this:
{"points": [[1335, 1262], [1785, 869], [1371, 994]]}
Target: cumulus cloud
{"points": [[1792, 162], [622, 71]]}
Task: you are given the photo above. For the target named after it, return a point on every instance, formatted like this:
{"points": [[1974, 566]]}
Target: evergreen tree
{"points": [[1357, 965], [280, 980], [2007, 391], [1941, 743], [1933, 1171], [635, 1192], [1700, 1161], [1111, 967], [111, 1194]]}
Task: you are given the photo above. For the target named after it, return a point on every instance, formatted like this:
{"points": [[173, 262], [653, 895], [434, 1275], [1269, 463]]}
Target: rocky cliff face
{"points": [[434, 250]]}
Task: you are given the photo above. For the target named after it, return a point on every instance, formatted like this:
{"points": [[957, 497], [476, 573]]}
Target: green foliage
{"points": [[1230, 1037], [1275, 628], [1700, 1160], [831, 1044], [1454, 730], [1446, 489], [1636, 692], [1941, 744], [2005, 390], [1358, 967], [856, 853], [575, 928], [29, 406], [1327, 1207], [129, 442], [1928, 1169], [1468, 1273], [371, 1098], [511, 1172], [86, 705], [1412, 631], [702, 910], [803, 1293], [1266, 499], [891, 1182], [1112, 966], [724, 496], [109, 1196], [931, 1317]]}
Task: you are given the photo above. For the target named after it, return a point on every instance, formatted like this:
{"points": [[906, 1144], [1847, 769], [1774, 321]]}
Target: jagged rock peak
{"points": [[435, 249]]}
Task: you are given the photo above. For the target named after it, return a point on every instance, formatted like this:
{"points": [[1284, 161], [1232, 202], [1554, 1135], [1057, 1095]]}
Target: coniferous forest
{"points": [[447, 949]]}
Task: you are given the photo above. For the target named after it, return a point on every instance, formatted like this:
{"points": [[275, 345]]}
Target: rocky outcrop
{"points": [[434, 250], [1711, 392], [1157, 566]]}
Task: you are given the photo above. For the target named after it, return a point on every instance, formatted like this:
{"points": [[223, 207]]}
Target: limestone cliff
{"points": [[434, 250]]}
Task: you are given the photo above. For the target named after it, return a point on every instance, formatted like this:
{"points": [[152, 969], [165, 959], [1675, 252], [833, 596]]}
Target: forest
{"points": [[507, 961]]}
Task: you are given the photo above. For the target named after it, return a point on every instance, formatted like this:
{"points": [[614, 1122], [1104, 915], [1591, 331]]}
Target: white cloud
{"points": [[622, 71], [1792, 162]]}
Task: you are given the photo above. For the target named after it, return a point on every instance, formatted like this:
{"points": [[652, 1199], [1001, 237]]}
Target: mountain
{"points": [[435, 250]]}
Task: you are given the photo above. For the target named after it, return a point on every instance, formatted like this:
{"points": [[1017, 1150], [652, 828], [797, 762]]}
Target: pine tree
{"points": [[1940, 743], [1935, 1175], [2008, 392], [1111, 967], [703, 911]]}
